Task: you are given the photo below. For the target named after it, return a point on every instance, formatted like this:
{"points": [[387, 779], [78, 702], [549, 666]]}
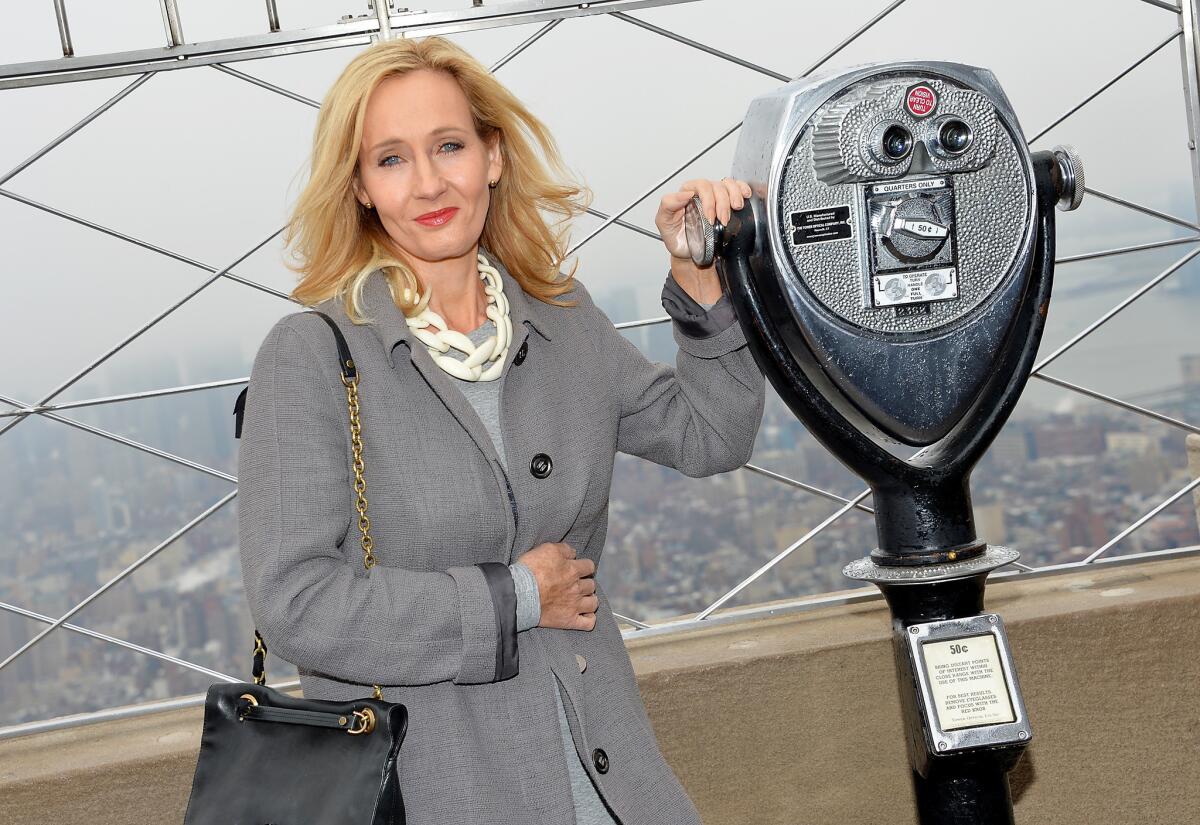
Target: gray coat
{"points": [[433, 622]]}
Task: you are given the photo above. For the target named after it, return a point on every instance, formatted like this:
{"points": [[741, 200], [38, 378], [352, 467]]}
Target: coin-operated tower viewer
{"points": [[892, 273]]}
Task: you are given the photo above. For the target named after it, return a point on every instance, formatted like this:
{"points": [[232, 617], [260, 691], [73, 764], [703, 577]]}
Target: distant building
{"points": [[1012, 448], [1133, 443], [990, 523], [1081, 526], [1068, 437]]}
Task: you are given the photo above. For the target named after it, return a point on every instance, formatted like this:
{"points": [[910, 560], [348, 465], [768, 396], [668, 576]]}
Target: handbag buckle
{"points": [[365, 720], [252, 702]]}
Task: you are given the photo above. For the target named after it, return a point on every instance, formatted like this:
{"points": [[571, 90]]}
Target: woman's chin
{"points": [[437, 248]]}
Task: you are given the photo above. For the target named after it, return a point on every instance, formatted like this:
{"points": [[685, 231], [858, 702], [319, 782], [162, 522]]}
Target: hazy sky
{"points": [[205, 164]]}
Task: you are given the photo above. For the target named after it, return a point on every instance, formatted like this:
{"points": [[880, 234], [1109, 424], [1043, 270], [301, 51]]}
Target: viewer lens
{"points": [[897, 142], [955, 137]]}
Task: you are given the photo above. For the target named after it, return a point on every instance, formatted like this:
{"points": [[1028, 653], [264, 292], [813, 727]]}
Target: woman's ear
{"points": [[495, 157]]}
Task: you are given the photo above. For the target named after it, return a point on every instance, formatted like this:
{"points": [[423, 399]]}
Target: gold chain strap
{"points": [[260, 650], [360, 483], [360, 487]]}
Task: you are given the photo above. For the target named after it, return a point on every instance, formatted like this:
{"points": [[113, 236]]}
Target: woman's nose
{"points": [[428, 182]]}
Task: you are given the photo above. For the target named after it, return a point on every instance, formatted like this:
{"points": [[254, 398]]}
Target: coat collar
{"points": [[392, 327]]}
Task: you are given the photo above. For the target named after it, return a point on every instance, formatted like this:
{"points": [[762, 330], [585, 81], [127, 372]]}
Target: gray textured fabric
{"points": [[422, 622], [695, 319], [484, 397]]}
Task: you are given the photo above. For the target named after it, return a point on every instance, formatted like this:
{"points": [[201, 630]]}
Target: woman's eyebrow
{"points": [[395, 141]]}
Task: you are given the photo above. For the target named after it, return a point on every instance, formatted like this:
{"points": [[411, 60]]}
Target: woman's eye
{"points": [[453, 144]]}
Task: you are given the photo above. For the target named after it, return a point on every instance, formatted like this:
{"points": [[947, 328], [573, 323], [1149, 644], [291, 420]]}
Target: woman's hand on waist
{"points": [[566, 586]]}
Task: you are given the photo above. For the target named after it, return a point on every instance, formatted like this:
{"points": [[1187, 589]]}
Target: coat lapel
{"points": [[391, 326]]}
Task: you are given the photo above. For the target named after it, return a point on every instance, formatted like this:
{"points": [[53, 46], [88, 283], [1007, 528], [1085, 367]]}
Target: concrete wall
{"points": [[795, 718]]}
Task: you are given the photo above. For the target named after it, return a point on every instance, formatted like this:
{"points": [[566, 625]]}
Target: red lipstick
{"points": [[438, 218]]}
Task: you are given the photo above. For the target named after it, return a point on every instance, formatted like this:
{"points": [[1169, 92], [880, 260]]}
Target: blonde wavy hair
{"points": [[337, 242]]}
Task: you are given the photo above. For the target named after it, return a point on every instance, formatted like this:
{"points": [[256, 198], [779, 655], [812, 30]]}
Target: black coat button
{"points": [[520, 356], [600, 760], [541, 465]]}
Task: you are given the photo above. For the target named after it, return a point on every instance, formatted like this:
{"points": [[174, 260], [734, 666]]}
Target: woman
{"points": [[493, 397]]}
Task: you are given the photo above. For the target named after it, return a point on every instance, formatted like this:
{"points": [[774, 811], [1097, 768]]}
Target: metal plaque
{"points": [[968, 684]]}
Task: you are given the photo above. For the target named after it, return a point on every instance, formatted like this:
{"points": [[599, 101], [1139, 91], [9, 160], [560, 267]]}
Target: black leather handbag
{"points": [[269, 758]]}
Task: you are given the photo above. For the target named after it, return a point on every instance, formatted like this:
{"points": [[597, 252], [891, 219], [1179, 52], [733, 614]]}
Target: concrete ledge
{"points": [[795, 718]]}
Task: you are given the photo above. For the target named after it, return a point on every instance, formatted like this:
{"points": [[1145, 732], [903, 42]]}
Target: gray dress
{"points": [[590, 809]]}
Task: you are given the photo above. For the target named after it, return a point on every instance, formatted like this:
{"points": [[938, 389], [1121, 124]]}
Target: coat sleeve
{"points": [[700, 416], [315, 603]]}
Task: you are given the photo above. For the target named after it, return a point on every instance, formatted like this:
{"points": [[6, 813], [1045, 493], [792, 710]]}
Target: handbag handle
{"points": [[350, 381]]}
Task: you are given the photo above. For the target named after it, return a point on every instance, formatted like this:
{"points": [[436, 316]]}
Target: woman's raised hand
{"points": [[566, 586], [719, 198]]}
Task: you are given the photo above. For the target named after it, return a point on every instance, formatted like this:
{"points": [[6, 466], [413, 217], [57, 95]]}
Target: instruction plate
{"points": [[967, 682]]}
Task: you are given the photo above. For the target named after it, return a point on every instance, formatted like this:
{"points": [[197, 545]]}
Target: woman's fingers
{"points": [[719, 198], [724, 203], [675, 201], [704, 188], [738, 192]]}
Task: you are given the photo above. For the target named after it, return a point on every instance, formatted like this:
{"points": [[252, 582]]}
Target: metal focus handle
{"points": [[1068, 177], [701, 235]]}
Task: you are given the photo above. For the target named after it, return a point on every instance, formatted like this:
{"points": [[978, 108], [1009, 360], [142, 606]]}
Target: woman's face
{"points": [[420, 155]]}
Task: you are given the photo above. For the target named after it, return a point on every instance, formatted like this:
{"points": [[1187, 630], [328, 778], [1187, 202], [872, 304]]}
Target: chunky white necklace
{"points": [[483, 362]]}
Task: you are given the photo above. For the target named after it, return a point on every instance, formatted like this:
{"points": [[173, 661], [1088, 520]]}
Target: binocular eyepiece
{"points": [[891, 143]]}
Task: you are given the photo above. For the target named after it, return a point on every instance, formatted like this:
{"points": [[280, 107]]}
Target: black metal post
{"points": [[962, 788]]}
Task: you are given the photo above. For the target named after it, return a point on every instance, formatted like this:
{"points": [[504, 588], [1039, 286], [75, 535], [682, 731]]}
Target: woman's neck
{"points": [[456, 291]]}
